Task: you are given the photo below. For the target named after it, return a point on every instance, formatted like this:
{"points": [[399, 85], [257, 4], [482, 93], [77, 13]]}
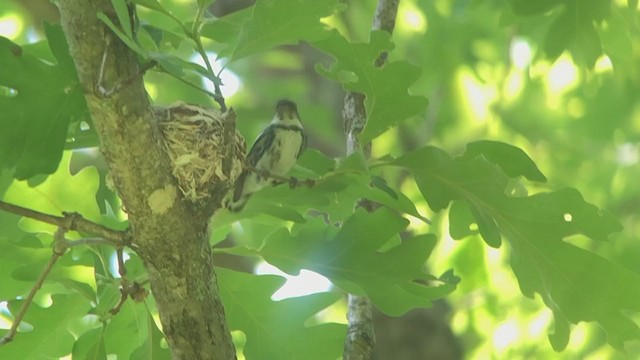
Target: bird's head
{"points": [[287, 110]]}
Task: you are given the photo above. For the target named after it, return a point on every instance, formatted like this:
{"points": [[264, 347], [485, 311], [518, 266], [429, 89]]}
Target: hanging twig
{"points": [[360, 340]]}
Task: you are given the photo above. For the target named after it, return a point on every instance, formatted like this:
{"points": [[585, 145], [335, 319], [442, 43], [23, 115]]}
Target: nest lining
{"points": [[194, 138]]}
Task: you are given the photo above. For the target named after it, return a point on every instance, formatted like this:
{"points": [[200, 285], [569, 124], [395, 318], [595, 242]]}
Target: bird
{"points": [[275, 152]]}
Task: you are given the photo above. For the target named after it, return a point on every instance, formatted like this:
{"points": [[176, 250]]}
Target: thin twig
{"points": [[88, 241], [58, 250], [70, 221], [128, 289], [292, 181], [195, 36]]}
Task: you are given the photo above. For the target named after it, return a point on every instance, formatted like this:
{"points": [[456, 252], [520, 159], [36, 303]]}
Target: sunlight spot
{"points": [[113, 263], [538, 326], [627, 154], [308, 282], [239, 340], [603, 65], [568, 217], [505, 334], [513, 85], [575, 107], [5, 322], [579, 336], [562, 76], [412, 19], [230, 81], [520, 53], [479, 96], [10, 26], [152, 90], [473, 227]]}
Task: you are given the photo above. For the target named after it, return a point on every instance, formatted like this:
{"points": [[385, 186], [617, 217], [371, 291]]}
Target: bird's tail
{"points": [[237, 199]]}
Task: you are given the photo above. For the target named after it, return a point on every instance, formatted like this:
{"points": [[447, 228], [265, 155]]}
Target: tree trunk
{"points": [[169, 234]]}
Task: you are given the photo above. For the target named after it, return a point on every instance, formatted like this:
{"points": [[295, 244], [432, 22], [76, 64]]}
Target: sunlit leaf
{"points": [[50, 336], [511, 159], [349, 256], [535, 226], [90, 346], [276, 329], [280, 22]]}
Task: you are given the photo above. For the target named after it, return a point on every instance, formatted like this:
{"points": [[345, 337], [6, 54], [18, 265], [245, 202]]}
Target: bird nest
{"points": [[204, 147]]}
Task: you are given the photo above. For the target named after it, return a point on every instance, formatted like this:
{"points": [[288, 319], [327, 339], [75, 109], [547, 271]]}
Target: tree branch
{"points": [[360, 340], [71, 221]]}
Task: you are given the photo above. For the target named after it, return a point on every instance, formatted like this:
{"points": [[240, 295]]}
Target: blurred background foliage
{"points": [[559, 79]]}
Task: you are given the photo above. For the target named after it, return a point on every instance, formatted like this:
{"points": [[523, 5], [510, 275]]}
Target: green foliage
{"points": [[39, 101], [276, 329], [50, 336], [535, 227], [350, 257], [271, 23], [388, 102], [579, 124]]}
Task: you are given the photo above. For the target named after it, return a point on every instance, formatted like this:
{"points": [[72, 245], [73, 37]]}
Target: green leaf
{"points": [[50, 337], [127, 39], [225, 30], [528, 8], [461, 220], [393, 280], [559, 36], [14, 253], [574, 30], [510, 159], [129, 331], [355, 162], [204, 3], [387, 101], [317, 162], [564, 275], [279, 212], [122, 11], [276, 329], [151, 4], [36, 118], [280, 22], [90, 346], [150, 349]]}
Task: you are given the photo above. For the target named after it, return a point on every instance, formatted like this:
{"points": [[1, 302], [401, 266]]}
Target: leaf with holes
{"points": [[387, 100], [576, 284]]}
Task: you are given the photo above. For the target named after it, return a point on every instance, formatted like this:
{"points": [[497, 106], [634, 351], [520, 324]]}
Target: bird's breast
{"points": [[283, 153]]}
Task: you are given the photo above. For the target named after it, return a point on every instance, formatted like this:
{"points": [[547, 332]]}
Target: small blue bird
{"points": [[275, 151]]}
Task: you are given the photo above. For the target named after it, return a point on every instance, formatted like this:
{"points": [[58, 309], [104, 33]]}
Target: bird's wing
{"points": [[263, 142], [303, 144]]}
